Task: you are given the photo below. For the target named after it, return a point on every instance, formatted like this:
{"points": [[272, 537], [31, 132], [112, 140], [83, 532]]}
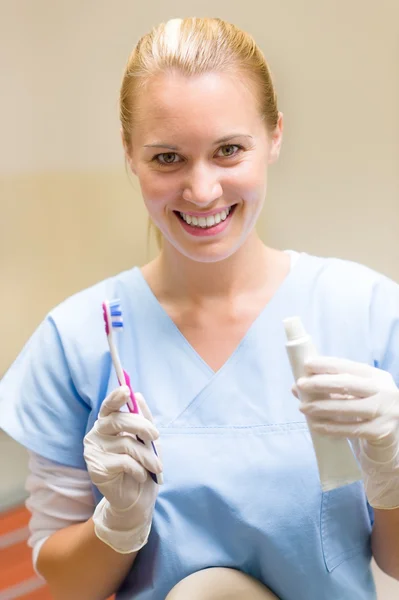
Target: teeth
{"points": [[210, 221], [205, 222]]}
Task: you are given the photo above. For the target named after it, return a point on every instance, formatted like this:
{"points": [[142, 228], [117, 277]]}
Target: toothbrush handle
{"points": [[132, 405], [134, 408]]}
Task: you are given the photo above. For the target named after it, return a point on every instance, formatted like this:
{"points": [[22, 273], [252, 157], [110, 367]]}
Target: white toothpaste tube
{"points": [[335, 460]]}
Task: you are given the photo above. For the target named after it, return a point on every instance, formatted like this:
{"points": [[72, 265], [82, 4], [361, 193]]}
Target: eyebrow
{"points": [[226, 138]]}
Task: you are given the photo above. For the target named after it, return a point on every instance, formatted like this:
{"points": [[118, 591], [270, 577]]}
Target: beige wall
{"points": [[69, 214]]}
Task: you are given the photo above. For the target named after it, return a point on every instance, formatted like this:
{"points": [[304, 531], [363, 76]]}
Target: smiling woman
{"points": [[204, 343], [236, 124], [207, 168]]}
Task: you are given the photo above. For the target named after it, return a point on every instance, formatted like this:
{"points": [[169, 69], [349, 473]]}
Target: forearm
{"points": [[385, 541], [76, 564]]}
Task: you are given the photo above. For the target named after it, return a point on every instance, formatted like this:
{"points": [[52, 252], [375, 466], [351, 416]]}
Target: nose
{"points": [[202, 185]]}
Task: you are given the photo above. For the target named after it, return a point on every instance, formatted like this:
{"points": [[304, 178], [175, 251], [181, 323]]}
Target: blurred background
{"points": [[70, 214]]}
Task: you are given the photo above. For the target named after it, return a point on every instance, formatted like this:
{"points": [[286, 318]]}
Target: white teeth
{"points": [[206, 221], [210, 221]]}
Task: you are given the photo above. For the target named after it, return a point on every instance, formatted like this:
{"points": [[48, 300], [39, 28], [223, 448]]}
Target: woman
{"points": [[204, 344]]}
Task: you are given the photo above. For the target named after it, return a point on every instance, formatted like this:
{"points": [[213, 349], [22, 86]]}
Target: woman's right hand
{"points": [[118, 466]]}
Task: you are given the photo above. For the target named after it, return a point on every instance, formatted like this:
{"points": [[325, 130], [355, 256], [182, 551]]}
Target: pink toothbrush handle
{"points": [[134, 408]]}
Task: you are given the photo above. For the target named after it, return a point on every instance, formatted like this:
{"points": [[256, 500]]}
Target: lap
{"points": [[220, 584]]}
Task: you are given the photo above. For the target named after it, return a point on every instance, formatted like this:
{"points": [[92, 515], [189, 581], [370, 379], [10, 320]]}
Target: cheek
{"points": [[156, 191], [250, 182]]}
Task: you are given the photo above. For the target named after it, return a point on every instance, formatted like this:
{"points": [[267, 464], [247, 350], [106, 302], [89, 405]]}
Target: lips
{"points": [[211, 225], [209, 213]]}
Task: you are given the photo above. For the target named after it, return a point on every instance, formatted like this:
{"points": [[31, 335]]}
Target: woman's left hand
{"points": [[343, 398]]}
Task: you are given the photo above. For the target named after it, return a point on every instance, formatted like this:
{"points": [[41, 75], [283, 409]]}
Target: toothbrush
{"points": [[113, 320]]}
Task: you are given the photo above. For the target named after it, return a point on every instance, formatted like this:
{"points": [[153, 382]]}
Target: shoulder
{"points": [[347, 280], [358, 301], [82, 312], [72, 336]]}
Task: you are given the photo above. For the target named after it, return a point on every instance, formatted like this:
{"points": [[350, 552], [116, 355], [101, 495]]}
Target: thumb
{"points": [[114, 401]]}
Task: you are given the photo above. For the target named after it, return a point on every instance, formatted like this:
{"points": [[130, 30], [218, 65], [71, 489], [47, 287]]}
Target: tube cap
{"points": [[294, 329]]}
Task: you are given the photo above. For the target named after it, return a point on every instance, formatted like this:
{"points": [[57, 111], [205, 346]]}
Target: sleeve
{"points": [[384, 332], [384, 326], [59, 496], [39, 404]]}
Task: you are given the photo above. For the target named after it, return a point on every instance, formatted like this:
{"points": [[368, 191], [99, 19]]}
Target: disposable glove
{"points": [[118, 466], [360, 403]]}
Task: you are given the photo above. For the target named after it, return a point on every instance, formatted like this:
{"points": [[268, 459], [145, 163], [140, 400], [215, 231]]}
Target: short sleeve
{"points": [[384, 326], [39, 404]]}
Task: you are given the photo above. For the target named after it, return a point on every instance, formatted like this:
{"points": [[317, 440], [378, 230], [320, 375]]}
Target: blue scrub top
{"points": [[241, 481]]}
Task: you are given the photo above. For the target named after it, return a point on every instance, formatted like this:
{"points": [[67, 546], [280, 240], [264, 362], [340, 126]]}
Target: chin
{"points": [[211, 253], [210, 249]]}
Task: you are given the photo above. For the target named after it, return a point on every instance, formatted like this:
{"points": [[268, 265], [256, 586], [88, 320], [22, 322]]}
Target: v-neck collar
{"points": [[296, 258]]}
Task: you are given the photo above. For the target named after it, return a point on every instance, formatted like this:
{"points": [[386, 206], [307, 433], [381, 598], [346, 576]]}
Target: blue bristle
{"points": [[116, 314]]}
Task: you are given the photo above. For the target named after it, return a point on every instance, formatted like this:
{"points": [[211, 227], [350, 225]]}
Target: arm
{"points": [[66, 551], [362, 403], [76, 564], [385, 541], [81, 553]]}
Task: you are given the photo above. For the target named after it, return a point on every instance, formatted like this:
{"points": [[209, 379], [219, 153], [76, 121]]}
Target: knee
{"points": [[219, 583]]}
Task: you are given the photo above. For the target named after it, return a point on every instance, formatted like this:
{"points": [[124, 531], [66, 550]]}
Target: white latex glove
{"points": [[118, 466], [362, 404]]}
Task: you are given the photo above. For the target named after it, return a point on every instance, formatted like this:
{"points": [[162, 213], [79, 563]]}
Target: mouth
{"points": [[209, 222]]}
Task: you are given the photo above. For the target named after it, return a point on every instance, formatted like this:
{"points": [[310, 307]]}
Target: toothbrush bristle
{"points": [[116, 314]]}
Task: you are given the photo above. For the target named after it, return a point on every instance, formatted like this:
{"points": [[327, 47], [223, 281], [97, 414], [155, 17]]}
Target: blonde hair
{"points": [[194, 46]]}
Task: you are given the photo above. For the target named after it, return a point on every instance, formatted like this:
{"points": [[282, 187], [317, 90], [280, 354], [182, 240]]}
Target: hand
{"points": [[118, 466], [348, 399]]}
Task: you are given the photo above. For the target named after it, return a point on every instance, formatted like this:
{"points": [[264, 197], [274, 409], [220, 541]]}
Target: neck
{"points": [[245, 271]]}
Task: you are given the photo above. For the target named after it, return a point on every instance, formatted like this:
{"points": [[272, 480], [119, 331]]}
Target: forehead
{"points": [[212, 103]]}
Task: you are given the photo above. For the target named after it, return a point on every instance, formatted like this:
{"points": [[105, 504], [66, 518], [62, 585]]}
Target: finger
{"points": [[144, 408], [343, 409], [114, 401], [124, 463], [119, 422], [342, 383], [333, 365], [140, 452], [295, 391], [368, 430], [102, 468]]}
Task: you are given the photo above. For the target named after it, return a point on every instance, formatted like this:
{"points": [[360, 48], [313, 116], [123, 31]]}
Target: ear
{"points": [[127, 153], [276, 139]]}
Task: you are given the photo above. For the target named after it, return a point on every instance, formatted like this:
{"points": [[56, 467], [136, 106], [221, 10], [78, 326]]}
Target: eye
{"points": [[166, 158], [229, 150]]}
